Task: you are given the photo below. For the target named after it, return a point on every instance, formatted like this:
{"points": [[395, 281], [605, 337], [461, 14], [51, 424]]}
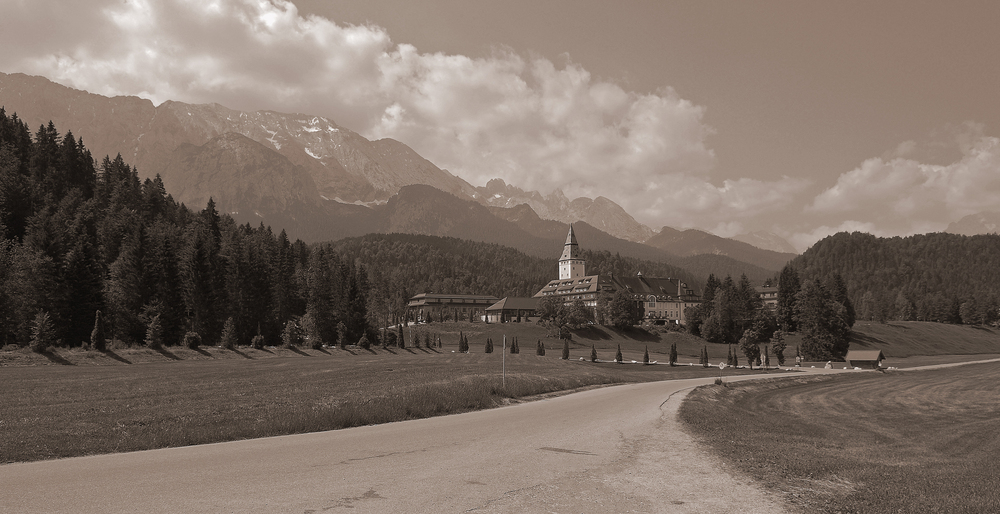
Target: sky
{"points": [[798, 118]]}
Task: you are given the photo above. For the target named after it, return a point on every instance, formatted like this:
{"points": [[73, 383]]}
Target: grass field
{"points": [[921, 441], [64, 411]]}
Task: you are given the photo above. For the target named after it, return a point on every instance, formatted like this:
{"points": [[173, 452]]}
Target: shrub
{"points": [[257, 342], [565, 352], [719, 382], [291, 335], [98, 340], [540, 351], [341, 335], [593, 354], [228, 338], [43, 333], [154, 333], [192, 340], [618, 355], [364, 343], [309, 329]]}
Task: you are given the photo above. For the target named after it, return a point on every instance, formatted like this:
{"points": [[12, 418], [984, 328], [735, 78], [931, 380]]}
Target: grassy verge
{"points": [[898, 442], [65, 411]]}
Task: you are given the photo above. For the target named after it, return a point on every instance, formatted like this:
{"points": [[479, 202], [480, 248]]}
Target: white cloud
{"points": [[535, 123], [903, 196]]}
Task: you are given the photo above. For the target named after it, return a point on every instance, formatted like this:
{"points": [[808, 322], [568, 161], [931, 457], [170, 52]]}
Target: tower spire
{"points": [[571, 265]]}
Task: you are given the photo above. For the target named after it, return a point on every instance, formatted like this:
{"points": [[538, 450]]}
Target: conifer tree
{"points": [[400, 342], [489, 346], [228, 338], [618, 355], [43, 333], [97, 337], [541, 349], [154, 333], [645, 356], [593, 353], [427, 340], [673, 354], [291, 336], [565, 351]]}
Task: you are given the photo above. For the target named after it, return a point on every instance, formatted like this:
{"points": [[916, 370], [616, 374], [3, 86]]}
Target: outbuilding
{"points": [[512, 309], [870, 359]]}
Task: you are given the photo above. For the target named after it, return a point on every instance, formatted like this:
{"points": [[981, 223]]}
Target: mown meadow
{"points": [[904, 441]]}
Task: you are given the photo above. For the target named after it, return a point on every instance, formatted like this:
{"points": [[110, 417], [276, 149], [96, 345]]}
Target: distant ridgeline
{"points": [[78, 237], [939, 277]]}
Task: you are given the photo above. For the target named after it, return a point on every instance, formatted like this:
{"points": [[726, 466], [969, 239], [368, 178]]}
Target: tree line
{"points": [[938, 277], [732, 313]]}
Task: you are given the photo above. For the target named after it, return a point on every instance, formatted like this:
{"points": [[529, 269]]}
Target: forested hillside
{"points": [[930, 277]]}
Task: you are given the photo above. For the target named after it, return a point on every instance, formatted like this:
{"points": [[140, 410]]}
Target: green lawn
{"points": [[922, 441], [64, 411]]}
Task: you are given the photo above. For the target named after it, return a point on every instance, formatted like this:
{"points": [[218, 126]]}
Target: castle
{"points": [[662, 300]]}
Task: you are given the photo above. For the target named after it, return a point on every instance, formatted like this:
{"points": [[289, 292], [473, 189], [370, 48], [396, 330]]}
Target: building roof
{"points": [[520, 304], [638, 285], [572, 249], [864, 355], [434, 298]]}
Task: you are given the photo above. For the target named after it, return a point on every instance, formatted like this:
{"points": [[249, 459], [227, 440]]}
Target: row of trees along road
{"points": [[732, 313]]}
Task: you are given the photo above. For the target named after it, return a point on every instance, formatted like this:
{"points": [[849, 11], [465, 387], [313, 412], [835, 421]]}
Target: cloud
{"points": [[903, 196], [534, 123], [898, 196]]}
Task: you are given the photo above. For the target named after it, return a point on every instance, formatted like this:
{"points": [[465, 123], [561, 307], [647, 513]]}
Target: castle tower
{"points": [[571, 265]]}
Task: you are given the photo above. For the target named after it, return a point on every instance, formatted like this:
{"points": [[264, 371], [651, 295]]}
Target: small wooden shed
{"points": [[871, 359]]}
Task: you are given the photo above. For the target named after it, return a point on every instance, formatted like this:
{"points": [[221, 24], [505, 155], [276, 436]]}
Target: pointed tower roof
{"points": [[572, 249]]}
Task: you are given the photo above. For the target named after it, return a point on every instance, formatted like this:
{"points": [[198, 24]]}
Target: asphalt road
{"points": [[614, 449]]}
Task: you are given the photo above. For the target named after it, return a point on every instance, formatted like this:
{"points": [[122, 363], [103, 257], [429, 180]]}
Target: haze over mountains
{"points": [[321, 181]]}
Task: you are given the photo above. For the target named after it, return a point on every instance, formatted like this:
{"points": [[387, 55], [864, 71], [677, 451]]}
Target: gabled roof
{"points": [[864, 355], [521, 304]]}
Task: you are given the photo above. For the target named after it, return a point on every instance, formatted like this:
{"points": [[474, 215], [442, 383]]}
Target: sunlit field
{"points": [[921, 441]]}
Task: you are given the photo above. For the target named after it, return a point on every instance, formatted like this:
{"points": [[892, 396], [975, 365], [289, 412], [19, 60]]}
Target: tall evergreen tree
{"points": [[788, 289]]}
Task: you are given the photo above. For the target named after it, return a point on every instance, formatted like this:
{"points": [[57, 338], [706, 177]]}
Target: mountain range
{"points": [[322, 181]]}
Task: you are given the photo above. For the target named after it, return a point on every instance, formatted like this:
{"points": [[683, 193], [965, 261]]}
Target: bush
{"points": [[540, 351], [154, 333], [43, 333], [593, 354], [618, 355], [257, 342], [192, 340], [719, 382], [228, 338], [364, 343], [292, 335]]}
